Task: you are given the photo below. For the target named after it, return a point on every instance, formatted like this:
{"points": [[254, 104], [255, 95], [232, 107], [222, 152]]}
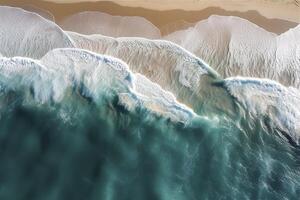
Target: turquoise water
{"points": [[82, 149]]}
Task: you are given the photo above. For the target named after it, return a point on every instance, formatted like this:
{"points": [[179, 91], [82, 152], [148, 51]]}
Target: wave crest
{"points": [[267, 98], [93, 76]]}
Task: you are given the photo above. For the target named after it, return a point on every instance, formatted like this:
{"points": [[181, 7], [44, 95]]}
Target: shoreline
{"points": [[288, 10], [167, 21]]}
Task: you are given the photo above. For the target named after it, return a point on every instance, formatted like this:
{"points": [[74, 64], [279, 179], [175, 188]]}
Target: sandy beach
{"points": [[173, 15], [286, 9]]}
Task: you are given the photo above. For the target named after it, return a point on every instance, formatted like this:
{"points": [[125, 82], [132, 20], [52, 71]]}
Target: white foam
{"points": [[163, 62], [92, 22], [94, 75], [159, 100], [263, 97], [27, 34], [235, 46]]}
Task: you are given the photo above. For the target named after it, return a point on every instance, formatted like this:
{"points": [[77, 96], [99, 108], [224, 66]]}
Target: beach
{"points": [[171, 16], [287, 9]]}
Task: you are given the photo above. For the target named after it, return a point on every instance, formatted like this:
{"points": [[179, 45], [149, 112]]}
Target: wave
{"points": [[94, 77], [188, 77], [168, 67], [87, 139], [237, 47], [92, 22], [165, 63], [183, 74], [267, 98], [27, 34]]}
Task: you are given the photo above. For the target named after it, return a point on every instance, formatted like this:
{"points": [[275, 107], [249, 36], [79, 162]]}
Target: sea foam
{"points": [[94, 76], [267, 98], [236, 47], [176, 70], [152, 71], [28, 34]]}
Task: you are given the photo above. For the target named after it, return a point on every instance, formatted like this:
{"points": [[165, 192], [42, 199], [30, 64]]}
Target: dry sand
{"points": [[174, 19]]}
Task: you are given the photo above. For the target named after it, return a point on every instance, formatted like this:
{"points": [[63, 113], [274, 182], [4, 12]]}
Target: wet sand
{"points": [[283, 9], [167, 20], [44, 13]]}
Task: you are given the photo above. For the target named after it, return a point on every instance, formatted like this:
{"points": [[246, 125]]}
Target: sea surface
{"points": [[102, 118]]}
